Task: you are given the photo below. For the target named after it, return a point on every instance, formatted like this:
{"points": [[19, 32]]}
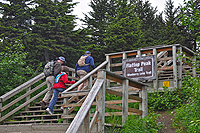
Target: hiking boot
{"points": [[49, 111], [43, 104]]}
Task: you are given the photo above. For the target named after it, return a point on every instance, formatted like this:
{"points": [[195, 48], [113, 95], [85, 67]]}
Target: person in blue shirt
{"points": [[81, 71]]}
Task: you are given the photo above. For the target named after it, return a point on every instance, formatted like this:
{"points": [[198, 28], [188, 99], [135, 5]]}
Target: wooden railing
{"points": [[9, 102], [97, 92]]}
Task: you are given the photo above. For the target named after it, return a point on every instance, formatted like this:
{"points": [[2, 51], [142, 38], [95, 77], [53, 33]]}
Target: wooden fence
{"points": [[169, 68], [97, 91]]}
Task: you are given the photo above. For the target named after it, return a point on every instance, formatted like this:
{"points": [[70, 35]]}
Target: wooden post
{"points": [[86, 124], [174, 66], [194, 68], [180, 68], [125, 101], [144, 102], [65, 110], [28, 97], [139, 53], [155, 82], [90, 83], [101, 103], [0, 108], [108, 69]]}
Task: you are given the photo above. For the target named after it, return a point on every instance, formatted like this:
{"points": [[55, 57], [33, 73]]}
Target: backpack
{"points": [[48, 68], [81, 61], [58, 77]]}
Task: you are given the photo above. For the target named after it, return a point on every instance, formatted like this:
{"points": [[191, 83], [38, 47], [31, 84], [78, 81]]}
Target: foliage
{"points": [[13, 68], [190, 17], [123, 32], [134, 124], [187, 117], [167, 100]]}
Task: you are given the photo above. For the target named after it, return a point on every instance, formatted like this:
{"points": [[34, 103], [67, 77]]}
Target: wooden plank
{"points": [[117, 107], [165, 59], [21, 87], [118, 72], [22, 97], [116, 65], [164, 49], [76, 123], [166, 68], [94, 119], [95, 103], [119, 88], [112, 92], [147, 51], [116, 56], [131, 54], [76, 93], [22, 105], [119, 113]]}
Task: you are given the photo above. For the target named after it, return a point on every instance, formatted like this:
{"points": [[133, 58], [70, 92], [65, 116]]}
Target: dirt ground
{"points": [[166, 118]]}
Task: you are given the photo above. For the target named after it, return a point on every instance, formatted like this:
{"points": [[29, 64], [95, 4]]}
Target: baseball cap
{"points": [[87, 52], [61, 58]]}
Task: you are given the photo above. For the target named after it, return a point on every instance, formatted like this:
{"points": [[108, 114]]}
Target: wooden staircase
{"points": [[76, 116], [35, 114]]}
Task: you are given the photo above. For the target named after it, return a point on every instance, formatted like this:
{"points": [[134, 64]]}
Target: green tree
{"points": [[96, 22], [52, 32], [123, 32], [190, 19], [13, 68], [15, 20]]}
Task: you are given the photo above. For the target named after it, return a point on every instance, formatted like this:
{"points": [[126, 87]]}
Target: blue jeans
{"points": [[55, 98]]}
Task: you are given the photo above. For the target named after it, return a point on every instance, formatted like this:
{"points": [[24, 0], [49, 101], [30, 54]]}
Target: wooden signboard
{"points": [[139, 68]]}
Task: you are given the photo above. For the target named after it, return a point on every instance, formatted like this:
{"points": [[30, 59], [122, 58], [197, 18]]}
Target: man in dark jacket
{"points": [[83, 70], [50, 81]]}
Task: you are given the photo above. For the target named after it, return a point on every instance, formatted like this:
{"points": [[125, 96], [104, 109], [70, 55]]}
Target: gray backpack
{"points": [[48, 68]]}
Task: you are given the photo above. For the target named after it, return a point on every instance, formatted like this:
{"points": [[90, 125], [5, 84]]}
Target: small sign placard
{"points": [[139, 67]]}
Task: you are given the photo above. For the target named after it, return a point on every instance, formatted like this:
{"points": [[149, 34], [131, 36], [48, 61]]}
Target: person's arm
{"points": [[57, 68], [92, 62], [66, 81]]}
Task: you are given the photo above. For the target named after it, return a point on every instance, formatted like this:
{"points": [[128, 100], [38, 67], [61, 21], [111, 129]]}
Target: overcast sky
{"points": [[82, 6]]}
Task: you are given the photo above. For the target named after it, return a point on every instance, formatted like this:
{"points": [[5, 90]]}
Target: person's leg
{"points": [[54, 100], [50, 83], [85, 82]]}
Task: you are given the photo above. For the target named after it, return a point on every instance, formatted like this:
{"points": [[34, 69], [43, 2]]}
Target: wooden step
{"points": [[33, 121]]}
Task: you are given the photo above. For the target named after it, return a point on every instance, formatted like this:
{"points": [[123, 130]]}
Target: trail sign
{"points": [[139, 67]]}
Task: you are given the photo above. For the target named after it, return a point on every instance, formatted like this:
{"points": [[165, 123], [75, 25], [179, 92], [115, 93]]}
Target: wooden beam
{"points": [[112, 92], [117, 107], [147, 51], [131, 54], [116, 65], [166, 68], [164, 49], [165, 59], [116, 56]]}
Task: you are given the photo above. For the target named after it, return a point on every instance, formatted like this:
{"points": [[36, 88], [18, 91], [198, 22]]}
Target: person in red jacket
{"points": [[59, 86]]}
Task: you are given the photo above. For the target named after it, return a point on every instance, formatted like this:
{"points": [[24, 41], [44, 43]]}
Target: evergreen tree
{"points": [[173, 33], [52, 32], [190, 19], [123, 32], [96, 23], [15, 20]]}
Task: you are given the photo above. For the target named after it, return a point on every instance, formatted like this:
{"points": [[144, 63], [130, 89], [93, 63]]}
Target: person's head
{"points": [[65, 69], [88, 53], [61, 59]]}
